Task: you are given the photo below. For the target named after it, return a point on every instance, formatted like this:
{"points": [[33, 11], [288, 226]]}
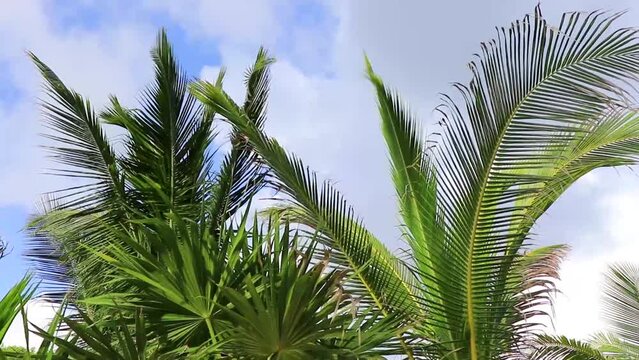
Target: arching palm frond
{"points": [[320, 205], [241, 175], [621, 302], [545, 106], [613, 346], [82, 147], [84, 153], [378, 277], [562, 348]]}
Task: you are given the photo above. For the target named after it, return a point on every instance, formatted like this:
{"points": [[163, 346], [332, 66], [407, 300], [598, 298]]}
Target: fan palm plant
{"points": [[241, 294], [545, 106], [621, 314]]}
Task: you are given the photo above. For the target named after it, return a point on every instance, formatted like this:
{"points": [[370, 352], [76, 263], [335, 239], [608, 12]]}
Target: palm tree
{"points": [[147, 250], [545, 106], [167, 166], [621, 314]]}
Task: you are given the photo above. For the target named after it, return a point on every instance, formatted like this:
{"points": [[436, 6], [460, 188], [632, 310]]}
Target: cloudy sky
{"points": [[321, 106]]}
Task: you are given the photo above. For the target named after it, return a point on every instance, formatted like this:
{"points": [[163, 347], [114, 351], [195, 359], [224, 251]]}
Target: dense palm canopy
{"points": [[620, 312], [545, 106], [151, 251], [167, 165], [244, 294]]}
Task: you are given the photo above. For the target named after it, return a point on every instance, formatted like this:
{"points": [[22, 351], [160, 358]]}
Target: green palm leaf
{"points": [[321, 207], [535, 117], [621, 304], [13, 302], [562, 348], [166, 159], [621, 311], [614, 346], [241, 176]]}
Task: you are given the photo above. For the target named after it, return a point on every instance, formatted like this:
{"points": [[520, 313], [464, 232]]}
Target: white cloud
{"points": [[252, 22], [95, 62]]}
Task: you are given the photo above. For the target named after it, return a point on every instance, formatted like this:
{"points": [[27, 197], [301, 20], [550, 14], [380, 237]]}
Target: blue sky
{"points": [[321, 106]]}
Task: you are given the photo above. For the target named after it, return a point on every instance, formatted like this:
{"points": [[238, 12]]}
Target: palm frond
{"points": [[535, 92], [12, 303], [122, 337], [241, 175], [323, 208], [613, 346], [562, 348], [179, 281], [621, 302], [83, 148], [168, 138]]}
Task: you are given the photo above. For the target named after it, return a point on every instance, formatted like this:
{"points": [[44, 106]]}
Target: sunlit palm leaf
{"points": [[562, 348], [323, 208], [537, 92], [12, 303]]}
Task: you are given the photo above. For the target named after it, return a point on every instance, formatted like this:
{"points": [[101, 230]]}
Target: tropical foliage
{"points": [[152, 253], [12, 303], [166, 166], [545, 106], [158, 255]]}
